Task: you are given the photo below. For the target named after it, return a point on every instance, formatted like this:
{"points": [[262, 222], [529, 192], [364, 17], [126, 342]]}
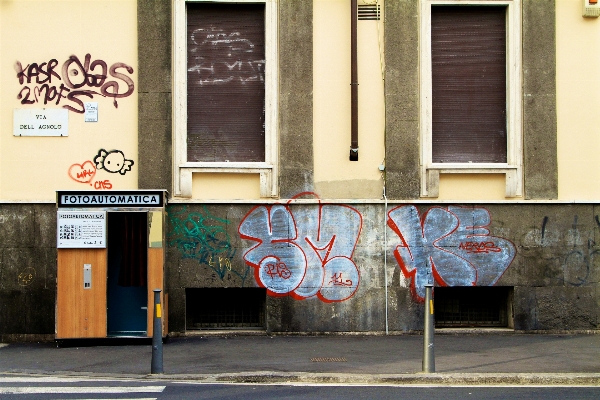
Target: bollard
{"points": [[428, 350], [157, 345]]}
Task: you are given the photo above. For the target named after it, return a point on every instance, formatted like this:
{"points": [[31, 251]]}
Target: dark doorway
{"points": [[127, 297], [229, 308], [473, 307]]}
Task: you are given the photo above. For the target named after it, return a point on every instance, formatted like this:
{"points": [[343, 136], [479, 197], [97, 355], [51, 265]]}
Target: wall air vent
{"points": [[369, 12]]}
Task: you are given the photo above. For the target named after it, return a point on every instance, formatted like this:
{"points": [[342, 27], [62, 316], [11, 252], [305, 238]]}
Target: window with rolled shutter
{"points": [[468, 66], [225, 82]]}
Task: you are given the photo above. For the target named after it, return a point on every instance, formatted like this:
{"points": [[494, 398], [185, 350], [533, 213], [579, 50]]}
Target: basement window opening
{"points": [[225, 308], [473, 307]]}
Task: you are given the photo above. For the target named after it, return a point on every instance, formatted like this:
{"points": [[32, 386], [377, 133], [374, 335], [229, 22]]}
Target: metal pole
{"points": [[428, 350], [353, 81], [157, 345]]}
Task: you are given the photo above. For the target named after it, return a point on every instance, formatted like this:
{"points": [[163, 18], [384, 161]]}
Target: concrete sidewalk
{"points": [[459, 359]]}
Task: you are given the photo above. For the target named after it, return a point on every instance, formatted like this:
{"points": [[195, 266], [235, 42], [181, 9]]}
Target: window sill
{"points": [[430, 176], [268, 187]]}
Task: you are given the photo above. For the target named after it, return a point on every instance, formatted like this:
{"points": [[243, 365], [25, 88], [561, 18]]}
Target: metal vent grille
{"points": [[369, 12], [328, 359]]}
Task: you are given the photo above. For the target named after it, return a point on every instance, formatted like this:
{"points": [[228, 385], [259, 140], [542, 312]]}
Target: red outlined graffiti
{"points": [[279, 269], [479, 247], [451, 246], [82, 173], [78, 79], [303, 251], [105, 184], [112, 161], [338, 280], [85, 173]]}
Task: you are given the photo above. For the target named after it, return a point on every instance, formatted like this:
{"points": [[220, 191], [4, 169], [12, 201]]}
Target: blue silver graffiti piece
{"points": [[304, 253], [452, 245]]}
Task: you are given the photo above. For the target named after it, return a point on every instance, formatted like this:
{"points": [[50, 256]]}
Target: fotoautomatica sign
{"points": [[137, 198]]}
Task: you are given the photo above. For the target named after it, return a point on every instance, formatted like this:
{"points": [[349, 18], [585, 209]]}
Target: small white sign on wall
{"points": [[91, 112], [81, 229], [41, 122]]}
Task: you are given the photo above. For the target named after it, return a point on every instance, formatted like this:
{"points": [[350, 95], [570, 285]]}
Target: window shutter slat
{"points": [[468, 50], [225, 83]]}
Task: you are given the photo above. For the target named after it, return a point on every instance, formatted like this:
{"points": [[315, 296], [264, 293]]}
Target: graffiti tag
{"points": [[113, 161], [479, 247], [26, 276], [78, 79], [451, 246], [204, 238], [235, 60], [294, 250], [83, 173], [278, 269]]}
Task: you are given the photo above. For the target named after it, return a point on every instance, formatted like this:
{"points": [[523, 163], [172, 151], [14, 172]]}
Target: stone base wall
{"points": [[325, 266]]}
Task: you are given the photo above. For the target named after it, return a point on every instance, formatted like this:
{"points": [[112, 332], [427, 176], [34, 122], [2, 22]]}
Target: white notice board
{"points": [[81, 229]]}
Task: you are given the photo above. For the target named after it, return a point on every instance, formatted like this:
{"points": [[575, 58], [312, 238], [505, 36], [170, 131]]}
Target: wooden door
{"points": [[80, 311], [156, 257]]}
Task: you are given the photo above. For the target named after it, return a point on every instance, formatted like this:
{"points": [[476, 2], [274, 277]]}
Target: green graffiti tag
{"points": [[204, 238]]}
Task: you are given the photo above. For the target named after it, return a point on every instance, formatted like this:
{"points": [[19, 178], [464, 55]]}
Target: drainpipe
{"points": [[353, 82]]}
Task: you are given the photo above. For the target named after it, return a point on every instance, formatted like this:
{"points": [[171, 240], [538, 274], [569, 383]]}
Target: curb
{"points": [[419, 379], [403, 379]]}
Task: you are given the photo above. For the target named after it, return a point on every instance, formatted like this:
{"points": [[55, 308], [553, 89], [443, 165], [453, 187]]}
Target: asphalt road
{"points": [[30, 388]]}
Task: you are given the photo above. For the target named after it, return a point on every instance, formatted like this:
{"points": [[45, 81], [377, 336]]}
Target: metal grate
{"points": [[230, 308], [328, 359], [471, 306], [369, 12]]}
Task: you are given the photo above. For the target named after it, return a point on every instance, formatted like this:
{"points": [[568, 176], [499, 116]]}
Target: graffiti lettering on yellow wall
{"points": [[451, 246], [112, 161], [204, 238], [77, 80]]}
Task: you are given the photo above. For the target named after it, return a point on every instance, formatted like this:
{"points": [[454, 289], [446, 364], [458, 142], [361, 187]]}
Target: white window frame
{"points": [[513, 170], [182, 169]]}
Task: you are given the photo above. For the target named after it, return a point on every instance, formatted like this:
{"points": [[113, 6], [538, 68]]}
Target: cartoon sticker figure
{"points": [[113, 161]]}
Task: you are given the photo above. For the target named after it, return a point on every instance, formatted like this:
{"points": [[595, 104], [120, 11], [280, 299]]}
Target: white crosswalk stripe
{"points": [[34, 385], [76, 389]]}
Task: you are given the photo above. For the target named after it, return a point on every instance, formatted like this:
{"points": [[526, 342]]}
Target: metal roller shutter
{"points": [[225, 82], [468, 50]]}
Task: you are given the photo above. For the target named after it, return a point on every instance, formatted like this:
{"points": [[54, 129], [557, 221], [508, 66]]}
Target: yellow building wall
{"points": [[335, 176], [35, 32], [578, 94], [578, 126], [33, 168], [224, 186]]}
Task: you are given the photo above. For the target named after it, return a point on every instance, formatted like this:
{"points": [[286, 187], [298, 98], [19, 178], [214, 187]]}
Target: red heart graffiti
{"points": [[82, 172]]}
